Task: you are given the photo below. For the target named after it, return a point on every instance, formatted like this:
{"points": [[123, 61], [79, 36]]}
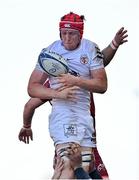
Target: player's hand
{"points": [[74, 154], [121, 36], [25, 135], [67, 93], [68, 80], [58, 168]]}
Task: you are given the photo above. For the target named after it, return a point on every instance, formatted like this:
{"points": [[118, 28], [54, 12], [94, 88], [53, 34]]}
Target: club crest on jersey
{"points": [[67, 25], [84, 59]]}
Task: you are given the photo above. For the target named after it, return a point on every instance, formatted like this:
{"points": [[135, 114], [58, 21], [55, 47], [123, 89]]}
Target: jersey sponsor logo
{"points": [[84, 59], [67, 25], [70, 130]]}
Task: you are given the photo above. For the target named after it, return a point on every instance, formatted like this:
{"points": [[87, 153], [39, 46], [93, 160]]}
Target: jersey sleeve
{"points": [[96, 58]]}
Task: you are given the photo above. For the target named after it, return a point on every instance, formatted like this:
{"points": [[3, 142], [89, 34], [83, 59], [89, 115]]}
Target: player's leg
{"points": [[100, 165], [87, 158], [98, 171]]}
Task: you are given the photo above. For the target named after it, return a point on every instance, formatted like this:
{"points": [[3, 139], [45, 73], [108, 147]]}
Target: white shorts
{"points": [[66, 125]]}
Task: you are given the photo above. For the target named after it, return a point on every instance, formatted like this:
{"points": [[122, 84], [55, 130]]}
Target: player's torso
{"points": [[79, 60]]}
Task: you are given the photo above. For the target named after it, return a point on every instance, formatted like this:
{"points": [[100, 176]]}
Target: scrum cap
{"points": [[73, 21]]}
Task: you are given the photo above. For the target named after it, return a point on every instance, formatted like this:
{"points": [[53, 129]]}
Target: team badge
{"points": [[70, 130], [84, 59]]}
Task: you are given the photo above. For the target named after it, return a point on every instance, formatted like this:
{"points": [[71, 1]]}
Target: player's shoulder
{"points": [[53, 45], [88, 43]]}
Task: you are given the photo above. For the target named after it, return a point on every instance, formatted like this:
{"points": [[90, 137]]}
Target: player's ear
{"points": [[60, 34]]}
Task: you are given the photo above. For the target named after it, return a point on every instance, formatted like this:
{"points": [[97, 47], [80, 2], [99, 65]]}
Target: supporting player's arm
{"points": [[29, 110], [110, 50], [26, 133]]}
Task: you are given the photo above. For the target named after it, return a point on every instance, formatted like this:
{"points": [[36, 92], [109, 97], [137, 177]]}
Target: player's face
{"points": [[70, 38]]}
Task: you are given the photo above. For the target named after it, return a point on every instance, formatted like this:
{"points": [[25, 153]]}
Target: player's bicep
{"points": [[100, 78], [38, 77], [99, 74]]}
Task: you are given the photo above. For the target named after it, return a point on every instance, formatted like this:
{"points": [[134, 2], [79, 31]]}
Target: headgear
{"points": [[72, 21]]}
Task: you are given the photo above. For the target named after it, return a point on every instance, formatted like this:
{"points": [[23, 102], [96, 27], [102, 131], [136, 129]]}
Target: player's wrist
{"points": [[56, 95], [26, 126], [77, 81], [114, 45]]}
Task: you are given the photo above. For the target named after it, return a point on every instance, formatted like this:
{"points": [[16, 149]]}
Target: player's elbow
{"points": [[30, 91], [103, 88]]}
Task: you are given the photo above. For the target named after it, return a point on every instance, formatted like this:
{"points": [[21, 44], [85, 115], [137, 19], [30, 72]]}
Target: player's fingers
{"points": [[20, 135], [123, 41], [125, 36], [27, 139], [22, 138], [62, 87], [74, 88], [120, 30], [72, 98], [31, 137]]}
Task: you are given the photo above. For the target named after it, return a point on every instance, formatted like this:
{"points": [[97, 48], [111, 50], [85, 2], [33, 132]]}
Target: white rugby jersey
{"points": [[82, 60]]}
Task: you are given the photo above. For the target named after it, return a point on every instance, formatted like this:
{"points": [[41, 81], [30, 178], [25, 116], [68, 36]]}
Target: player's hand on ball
{"points": [[25, 135]]}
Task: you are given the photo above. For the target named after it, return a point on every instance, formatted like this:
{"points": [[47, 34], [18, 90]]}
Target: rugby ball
{"points": [[53, 63]]}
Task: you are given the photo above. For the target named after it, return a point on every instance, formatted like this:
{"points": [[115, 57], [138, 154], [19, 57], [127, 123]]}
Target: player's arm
{"points": [[26, 133], [110, 50], [58, 168], [36, 88], [35, 85], [97, 83], [29, 110]]}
